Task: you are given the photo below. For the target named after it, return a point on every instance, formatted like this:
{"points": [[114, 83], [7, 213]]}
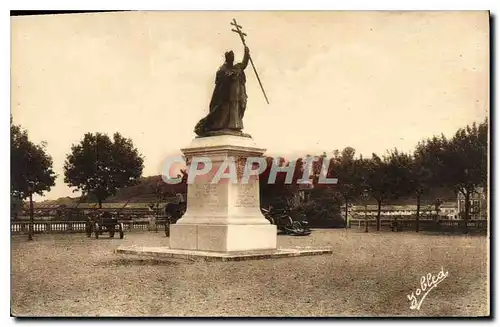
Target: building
{"points": [[448, 210], [478, 208]]}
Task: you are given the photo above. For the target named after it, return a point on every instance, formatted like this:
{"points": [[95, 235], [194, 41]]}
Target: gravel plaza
{"points": [[368, 274]]}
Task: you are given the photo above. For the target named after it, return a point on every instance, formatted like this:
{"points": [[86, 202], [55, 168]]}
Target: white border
{"points": [[492, 5]]}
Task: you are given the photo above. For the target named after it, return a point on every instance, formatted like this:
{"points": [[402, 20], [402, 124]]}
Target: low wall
{"points": [[22, 227]]}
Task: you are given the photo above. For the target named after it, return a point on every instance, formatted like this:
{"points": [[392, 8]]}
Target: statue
{"points": [[229, 100]]}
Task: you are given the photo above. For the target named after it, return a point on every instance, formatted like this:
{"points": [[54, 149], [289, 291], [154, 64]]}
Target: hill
{"points": [[145, 192]]}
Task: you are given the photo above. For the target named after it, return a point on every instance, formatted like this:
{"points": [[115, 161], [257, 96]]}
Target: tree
{"points": [[160, 196], [279, 193], [378, 182], [323, 203], [347, 169], [399, 175], [16, 207], [464, 162], [99, 166], [408, 175], [31, 169], [425, 170]]}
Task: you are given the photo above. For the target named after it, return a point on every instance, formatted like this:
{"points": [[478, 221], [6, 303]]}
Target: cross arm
{"points": [[239, 32]]}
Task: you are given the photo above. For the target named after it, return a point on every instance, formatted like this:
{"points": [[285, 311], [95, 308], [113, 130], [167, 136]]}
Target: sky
{"points": [[370, 80]]}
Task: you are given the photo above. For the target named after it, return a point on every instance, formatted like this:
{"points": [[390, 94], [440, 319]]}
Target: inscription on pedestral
{"points": [[204, 195], [247, 196]]}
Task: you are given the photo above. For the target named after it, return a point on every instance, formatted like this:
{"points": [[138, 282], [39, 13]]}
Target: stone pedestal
{"points": [[224, 216]]}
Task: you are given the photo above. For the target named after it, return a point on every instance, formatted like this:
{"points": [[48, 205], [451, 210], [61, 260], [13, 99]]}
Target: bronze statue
{"points": [[229, 99]]}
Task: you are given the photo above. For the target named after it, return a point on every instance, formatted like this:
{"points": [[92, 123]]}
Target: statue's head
{"points": [[229, 56]]}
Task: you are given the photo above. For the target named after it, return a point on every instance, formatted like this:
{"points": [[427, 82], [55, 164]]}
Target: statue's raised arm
{"points": [[246, 58]]}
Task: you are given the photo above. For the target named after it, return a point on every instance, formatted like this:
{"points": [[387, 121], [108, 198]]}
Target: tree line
{"points": [[459, 163], [97, 166], [100, 166]]}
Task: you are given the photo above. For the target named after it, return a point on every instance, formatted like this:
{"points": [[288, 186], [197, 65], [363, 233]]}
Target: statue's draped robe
{"points": [[229, 100]]}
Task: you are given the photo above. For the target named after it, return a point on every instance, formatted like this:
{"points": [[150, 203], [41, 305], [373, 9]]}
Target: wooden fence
{"points": [[22, 227]]}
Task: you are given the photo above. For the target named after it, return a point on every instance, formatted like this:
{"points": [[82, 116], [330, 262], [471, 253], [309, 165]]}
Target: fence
{"points": [[22, 227], [479, 224]]}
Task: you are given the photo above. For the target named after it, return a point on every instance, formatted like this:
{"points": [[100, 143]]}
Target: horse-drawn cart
{"points": [[104, 222]]}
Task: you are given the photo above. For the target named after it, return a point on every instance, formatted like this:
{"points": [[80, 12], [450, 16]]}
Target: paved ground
{"points": [[369, 274]]}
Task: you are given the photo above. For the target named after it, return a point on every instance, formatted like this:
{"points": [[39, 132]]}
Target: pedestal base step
{"points": [[223, 238], [193, 255]]}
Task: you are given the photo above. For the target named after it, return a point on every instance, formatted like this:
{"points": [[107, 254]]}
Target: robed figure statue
{"points": [[229, 99]]}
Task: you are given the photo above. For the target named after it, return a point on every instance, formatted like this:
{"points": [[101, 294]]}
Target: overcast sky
{"points": [[370, 80]]}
